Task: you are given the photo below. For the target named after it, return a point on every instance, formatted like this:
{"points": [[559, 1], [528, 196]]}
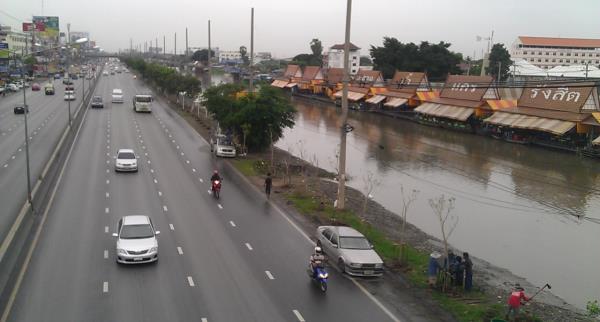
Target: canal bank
{"points": [[522, 208]]}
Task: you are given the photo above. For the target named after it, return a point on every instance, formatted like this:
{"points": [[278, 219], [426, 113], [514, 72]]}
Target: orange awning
{"points": [[375, 99], [529, 122], [353, 96], [291, 85], [447, 111], [500, 104], [425, 96]]}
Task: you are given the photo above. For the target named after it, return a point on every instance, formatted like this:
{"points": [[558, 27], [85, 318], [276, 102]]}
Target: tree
{"points": [[202, 55], [435, 59], [366, 61], [370, 183], [442, 208], [244, 53], [407, 200], [263, 115], [499, 56], [317, 48]]}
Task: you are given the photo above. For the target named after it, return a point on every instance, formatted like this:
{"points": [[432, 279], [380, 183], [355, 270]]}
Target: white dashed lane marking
{"points": [[160, 194], [106, 229], [220, 206], [299, 316], [105, 254], [106, 210], [249, 246], [232, 223], [171, 227], [165, 208], [179, 250], [191, 281], [155, 181], [105, 287], [200, 179], [107, 195], [269, 275]]}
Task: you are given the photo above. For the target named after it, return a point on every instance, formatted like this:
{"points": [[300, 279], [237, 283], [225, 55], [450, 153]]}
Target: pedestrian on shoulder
{"points": [[459, 271], [517, 296], [468, 271], [268, 184]]}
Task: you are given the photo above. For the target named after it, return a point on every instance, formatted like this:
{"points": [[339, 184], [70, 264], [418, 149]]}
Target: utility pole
{"points": [[130, 46], [209, 54], [341, 197], [499, 78], [164, 45], [186, 42], [27, 147], [175, 49], [156, 45], [586, 69], [251, 82]]}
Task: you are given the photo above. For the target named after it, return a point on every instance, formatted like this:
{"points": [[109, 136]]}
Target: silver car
{"points": [[126, 160], [350, 250], [136, 240]]}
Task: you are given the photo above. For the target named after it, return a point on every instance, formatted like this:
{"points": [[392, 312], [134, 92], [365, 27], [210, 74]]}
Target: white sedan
{"points": [[136, 240], [69, 95], [126, 160]]}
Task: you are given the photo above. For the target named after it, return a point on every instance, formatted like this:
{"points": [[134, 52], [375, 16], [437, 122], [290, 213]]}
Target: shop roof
{"points": [[341, 47], [565, 97], [293, 71], [560, 42], [407, 82], [463, 87], [334, 75], [311, 73]]}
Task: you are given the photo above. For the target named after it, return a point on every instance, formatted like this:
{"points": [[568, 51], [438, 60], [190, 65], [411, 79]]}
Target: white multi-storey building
{"points": [[335, 58], [18, 42], [545, 52]]}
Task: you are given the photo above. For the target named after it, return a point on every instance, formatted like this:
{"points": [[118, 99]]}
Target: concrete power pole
{"points": [[251, 82], [209, 56], [186, 42], [341, 198], [156, 46], [175, 47], [164, 45]]}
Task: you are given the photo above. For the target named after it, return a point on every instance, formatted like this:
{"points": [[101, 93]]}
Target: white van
{"points": [[142, 103], [117, 95]]}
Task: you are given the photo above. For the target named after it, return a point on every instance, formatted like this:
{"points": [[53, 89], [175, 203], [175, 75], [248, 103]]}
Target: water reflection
{"points": [[518, 205]]}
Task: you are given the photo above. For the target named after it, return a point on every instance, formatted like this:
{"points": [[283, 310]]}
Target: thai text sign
{"points": [[406, 82], [464, 87], [569, 97]]}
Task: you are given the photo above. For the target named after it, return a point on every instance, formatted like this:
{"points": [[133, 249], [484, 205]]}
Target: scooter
{"points": [[320, 278], [216, 188]]}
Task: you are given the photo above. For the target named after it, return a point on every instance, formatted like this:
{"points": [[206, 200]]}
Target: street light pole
{"points": [[251, 81], [26, 109], [209, 54], [343, 131]]}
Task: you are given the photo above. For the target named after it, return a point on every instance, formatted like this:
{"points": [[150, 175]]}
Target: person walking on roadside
{"points": [[517, 296], [268, 184], [459, 272], [468, 271]]}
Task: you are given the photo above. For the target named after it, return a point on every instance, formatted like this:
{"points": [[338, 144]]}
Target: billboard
{"points": [[4, 50], [50, 24]]}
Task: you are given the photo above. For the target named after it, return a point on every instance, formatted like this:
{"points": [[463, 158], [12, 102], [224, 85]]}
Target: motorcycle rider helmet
{"points": [[318, 250]]}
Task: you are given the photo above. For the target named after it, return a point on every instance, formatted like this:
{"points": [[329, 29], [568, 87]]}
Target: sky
{"points": [[285, 28]]}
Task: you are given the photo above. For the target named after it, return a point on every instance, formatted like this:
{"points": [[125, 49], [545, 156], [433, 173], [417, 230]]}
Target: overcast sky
{"points": [[285, 27]]}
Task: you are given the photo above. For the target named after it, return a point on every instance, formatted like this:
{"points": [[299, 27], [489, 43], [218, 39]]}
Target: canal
{"points": [[523, 208]]}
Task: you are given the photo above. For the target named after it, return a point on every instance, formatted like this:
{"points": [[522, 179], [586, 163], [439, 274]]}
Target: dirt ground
{"points": [[394, 289]]}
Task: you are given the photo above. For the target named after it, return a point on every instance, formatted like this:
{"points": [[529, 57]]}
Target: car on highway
{"points": [[74, 77], [69, 95], [117, 95], [69, 87], [12, 87], [57, 76], [104, 73], [112, 72], [97, 102], [19, 109], [49, 89], [35, 87], [136, 240], [222, 146], [352, 252], [67, 81], [126, 160]]}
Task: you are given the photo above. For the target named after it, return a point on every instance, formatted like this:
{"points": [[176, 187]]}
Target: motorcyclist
{"points": [[215, 176], [317, 259]]}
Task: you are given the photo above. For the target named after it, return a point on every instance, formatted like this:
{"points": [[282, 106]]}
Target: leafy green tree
{"points": [[244, 53], [254, 116], [202, 55], [164, 77], [314, 59], [435, 59], [365, 61], [317, 48], [499, 56]]}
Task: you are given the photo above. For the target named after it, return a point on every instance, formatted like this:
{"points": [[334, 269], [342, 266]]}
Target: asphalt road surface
{"points": [[233, 259], [47, 120]]}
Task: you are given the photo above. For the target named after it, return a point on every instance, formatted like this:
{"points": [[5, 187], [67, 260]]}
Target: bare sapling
{"points": [[370, 183], [443, 208], [407, 200]]}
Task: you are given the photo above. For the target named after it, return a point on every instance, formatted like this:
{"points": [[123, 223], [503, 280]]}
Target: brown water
{"points": [[517, 205]]}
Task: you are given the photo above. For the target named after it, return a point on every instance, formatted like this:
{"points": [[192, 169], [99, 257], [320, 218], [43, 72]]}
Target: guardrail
{"points": [[17, 242]]}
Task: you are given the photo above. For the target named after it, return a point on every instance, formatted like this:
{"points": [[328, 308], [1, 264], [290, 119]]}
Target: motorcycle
{"points": [[320, 278], [216, 188]]}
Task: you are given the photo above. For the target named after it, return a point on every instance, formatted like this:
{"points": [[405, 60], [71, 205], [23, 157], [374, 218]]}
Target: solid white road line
{"points": [[165, 208], [298, 316], [269, 275], [249, 246], [106, 229], [191, 281], [179, 250], [232, 223], [105, 254], [171, 226], [375, 300], [105, 287]]}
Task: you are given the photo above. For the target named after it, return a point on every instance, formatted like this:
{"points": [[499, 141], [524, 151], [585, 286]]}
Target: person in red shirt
{"points": [[515, 301]]}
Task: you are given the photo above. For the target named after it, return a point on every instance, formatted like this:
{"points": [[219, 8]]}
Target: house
{"points": [[401, 90], [551, 115], [457, 103], [334, 58], [311, 76]]}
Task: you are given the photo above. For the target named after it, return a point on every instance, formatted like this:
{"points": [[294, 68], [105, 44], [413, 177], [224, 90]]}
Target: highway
{"points": [[47, 120], [233, 259]]}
